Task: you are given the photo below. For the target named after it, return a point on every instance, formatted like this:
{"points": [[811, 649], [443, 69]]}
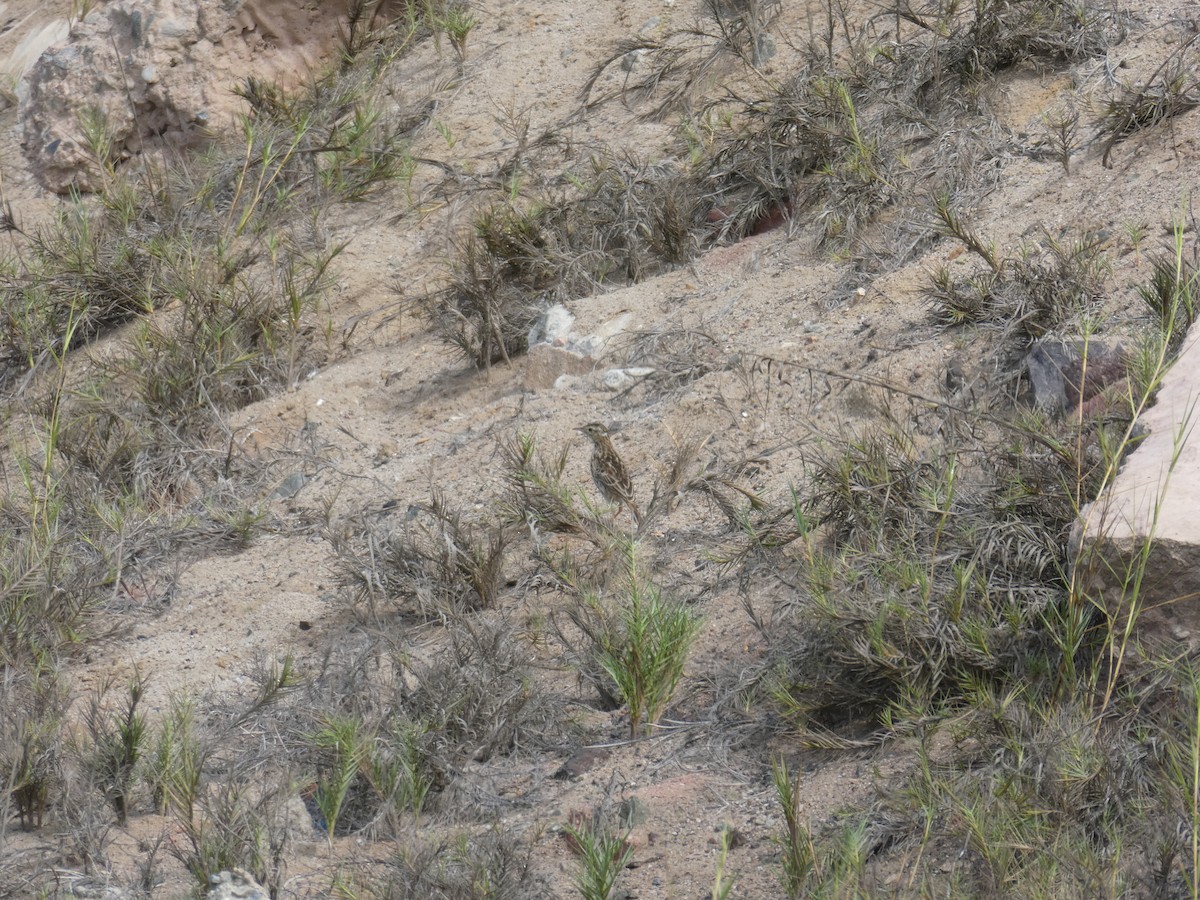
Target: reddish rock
{"points": [[159, 74]]}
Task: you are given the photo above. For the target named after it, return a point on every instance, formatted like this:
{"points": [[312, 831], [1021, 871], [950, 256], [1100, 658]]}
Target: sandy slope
{"points": [[396, 412]]}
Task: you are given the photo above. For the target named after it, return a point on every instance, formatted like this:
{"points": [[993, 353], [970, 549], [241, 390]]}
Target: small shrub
{"points": [[175, 767], [641, 644], [33, 702], [240, 823], [399, 769], [623, 222], [1041, 290], [497, 862], [440, 563], [492, 300], [686, 62], [1172, 296], [345, 752], [477, 698], [603, 856], [798, 854], [1171, 90], [118, 740], [458, 23]]}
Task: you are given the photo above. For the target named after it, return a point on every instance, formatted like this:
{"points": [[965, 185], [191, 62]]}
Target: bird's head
{"points": [[594, 430]]}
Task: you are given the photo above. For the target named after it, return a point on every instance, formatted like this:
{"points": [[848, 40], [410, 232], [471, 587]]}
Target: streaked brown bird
{"points": [[608, 471]]}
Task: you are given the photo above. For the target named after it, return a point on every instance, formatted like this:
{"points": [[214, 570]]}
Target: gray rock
{"points": [[764, 49], [294, 822], [631, 59], [289, 487], [1062, 378], [236, 885]]}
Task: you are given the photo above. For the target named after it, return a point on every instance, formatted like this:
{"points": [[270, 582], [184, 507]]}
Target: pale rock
{"points": [[619, 379], [546, 365], [1150, 497], [236, 885], [553, 327]]}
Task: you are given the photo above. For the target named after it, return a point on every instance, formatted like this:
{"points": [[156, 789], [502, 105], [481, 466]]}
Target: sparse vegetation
{"points": [[912, 563], [116, 742], [646, 650], [1171, 90], [1044, 288], [434, 561], [603, 855], [616, 221]]}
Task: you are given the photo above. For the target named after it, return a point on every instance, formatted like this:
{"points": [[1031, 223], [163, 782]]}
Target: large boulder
{"points": [[152, 74], [1155, 498]]}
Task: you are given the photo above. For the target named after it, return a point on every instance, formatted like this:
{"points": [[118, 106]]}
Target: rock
{"points": [[581, 762], [31, 46], [632, 812], [553, 327], [289, 487], [619, 379], [546, 365], [1062, 379], [153, 74], [1152, 498], [631, 59], [764, 49], [295, 822], [236, 885]]}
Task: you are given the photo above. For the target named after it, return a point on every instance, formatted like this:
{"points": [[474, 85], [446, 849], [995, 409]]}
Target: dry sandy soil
{"points": [[397, 412]]}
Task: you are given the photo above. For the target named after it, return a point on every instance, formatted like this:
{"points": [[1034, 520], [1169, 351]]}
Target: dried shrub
{"points": [[33, 702], [434, 561], [1039, 291], [477, 696], [1171, 90], [455, 868], [625, 221]]}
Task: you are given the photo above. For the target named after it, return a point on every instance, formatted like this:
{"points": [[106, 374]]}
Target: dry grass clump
{"points": [[1043, 289], [33, 703], [914, 572], [1171, 90], [956, 48], [84, 272], [456, 866], [809, 138], [389, 724], [433, 563], [477, 697], [1099, 799], [681, 67], [622, 221]]}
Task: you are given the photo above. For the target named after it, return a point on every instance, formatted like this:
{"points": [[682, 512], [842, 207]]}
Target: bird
{"points": [[608, 471]]}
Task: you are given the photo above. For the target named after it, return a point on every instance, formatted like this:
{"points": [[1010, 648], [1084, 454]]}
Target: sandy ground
{"points": [[397, 413]]}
